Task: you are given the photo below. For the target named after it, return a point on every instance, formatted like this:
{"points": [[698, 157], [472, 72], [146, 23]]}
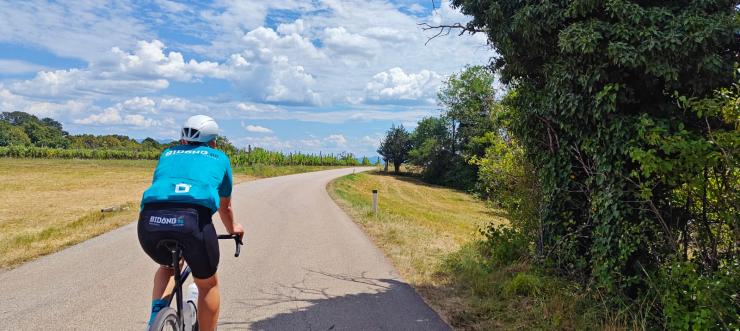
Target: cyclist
{"points": [[191, 182]]}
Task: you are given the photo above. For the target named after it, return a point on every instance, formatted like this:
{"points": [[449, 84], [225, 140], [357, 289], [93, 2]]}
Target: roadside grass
{"points": [[432, 236], [418, 224], [50, 204]]}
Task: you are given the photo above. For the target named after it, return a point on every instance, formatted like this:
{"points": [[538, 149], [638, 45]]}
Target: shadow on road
{"points": [[383, 304]]}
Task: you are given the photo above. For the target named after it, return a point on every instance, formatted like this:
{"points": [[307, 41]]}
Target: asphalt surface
{"points": [[305, 266]]}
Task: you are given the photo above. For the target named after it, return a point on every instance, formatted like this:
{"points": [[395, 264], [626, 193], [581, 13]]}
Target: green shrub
{"points": [[525, 284], [509, 181], [505, 245], [693, 301], [469, 269]]}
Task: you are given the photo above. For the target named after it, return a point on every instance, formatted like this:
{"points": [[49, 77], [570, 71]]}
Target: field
{"points": [[417, 227], [431, 235], [49, 204]]}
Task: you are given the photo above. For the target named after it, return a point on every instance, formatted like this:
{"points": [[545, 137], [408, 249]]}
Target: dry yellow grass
{"points": [[49, 204], [417, 227]]}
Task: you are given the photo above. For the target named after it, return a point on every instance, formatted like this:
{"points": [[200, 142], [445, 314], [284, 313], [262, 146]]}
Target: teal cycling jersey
{"points": [[194, 174]]}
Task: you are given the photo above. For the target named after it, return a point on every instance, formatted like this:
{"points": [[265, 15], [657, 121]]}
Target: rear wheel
{"points": [[166, 320]]}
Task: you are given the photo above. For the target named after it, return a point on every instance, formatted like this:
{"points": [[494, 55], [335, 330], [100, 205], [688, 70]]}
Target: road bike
{"points": [[184, 316]]}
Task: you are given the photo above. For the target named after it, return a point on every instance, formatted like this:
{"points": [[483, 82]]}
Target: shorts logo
{"points": [[176, 221], [182, 188]]}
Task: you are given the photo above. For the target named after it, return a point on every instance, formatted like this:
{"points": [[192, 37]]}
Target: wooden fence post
{"points": [[375, 201]]}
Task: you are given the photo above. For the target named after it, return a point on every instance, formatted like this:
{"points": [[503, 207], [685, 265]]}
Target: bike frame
{"points": [[180, 277]]}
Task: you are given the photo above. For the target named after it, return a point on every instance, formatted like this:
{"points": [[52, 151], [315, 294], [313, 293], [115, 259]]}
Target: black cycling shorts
{"points": [[190, 225]]}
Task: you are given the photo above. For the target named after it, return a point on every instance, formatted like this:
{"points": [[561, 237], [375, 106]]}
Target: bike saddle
{"points": [[169, 244]]}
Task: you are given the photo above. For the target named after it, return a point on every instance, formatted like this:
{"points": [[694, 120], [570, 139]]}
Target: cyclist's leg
{"points": [[163, 282], [202, 255], [209, 300]]}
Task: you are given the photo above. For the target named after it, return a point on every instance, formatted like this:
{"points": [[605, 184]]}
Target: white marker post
{"points": [[375, 201]]}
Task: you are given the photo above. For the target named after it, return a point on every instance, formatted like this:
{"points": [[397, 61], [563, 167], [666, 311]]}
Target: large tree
{"points": [[432, 150], [43, 133], [598, 109], [395, 146], [17, 117], [12, 135], [468, 99]]}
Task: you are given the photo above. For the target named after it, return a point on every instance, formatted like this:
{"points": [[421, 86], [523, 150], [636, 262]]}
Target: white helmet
{"points": [[199, 128]]}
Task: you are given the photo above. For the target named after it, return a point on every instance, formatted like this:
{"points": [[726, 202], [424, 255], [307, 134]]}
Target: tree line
{"points": [[22, 129], [25, 135], [614, 147]]}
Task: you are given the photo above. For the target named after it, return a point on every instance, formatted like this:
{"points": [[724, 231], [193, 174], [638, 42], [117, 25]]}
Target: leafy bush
{"points": [[695, 301], [505, 245], [509, 181]]}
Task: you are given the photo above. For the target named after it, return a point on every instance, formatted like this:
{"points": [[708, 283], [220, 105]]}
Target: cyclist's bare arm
{"points": [[227, 217]]}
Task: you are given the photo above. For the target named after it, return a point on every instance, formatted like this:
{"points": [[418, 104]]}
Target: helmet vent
{"points": [[190, 133]]}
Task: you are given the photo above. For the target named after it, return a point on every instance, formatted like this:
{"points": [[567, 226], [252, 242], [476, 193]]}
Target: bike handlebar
{"points": [[237, 241]]}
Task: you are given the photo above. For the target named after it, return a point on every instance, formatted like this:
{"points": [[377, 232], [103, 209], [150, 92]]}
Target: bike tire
{"points": [[166, 319], [190, 313]]}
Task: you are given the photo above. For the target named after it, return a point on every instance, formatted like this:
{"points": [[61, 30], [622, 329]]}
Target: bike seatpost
{"points": [[178, 283]]}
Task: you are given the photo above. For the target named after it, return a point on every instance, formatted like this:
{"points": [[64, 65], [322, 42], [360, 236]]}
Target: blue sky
{"points": [[323, 75]]}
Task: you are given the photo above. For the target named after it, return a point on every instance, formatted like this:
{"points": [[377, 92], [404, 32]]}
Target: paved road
{"points": [[306, 266]]}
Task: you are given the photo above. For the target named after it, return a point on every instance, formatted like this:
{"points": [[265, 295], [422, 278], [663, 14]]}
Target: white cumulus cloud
{"points": [[181, 105], [252, 108], [43, 108], [297, 27], [78, 82], [256, 128], [140, 104], [150, 60], [336, 139], [341, 41], [130, 112], [395, 84]]}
